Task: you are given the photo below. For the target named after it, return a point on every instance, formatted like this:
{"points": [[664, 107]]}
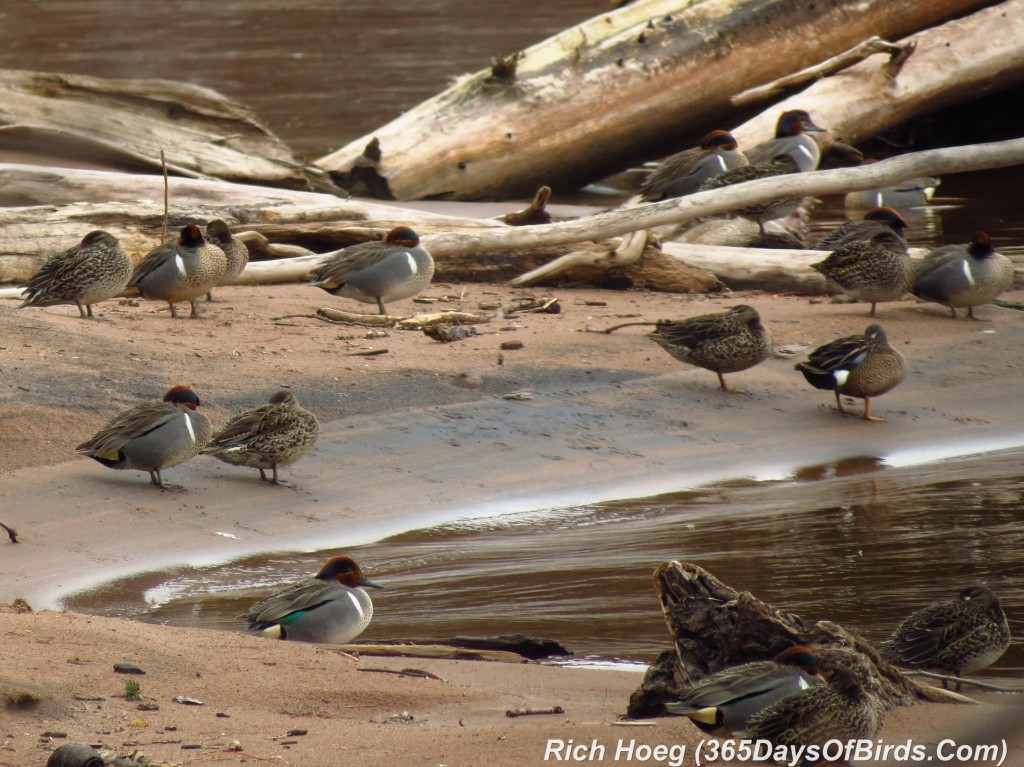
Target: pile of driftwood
{"points": [[640, 87]]}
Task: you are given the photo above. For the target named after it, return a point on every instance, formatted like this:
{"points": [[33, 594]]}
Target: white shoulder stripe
{"points": [[967, 272]]}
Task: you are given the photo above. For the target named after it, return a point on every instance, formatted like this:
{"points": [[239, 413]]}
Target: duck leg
{"points": [[380, 307], [839, 404], [867, 411]]}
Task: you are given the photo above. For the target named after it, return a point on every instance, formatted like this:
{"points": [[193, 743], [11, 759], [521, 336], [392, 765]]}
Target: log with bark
{"points": [[713, 626], [652, 75], [124, 124]]}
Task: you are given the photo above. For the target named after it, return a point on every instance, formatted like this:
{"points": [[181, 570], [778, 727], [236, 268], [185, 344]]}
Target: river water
{"points": [[862, 543]]}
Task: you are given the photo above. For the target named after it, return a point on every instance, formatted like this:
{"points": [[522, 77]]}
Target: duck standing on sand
{"points": [[684, 172], [882, 226], [958, 276], [863, 366], [722, 704], [276, 434], [180, 270], [842, 711], [874, 271], [329, 608], [378, 272], [237, 254], [152, 436], [791, 139], [958, 637], [92, 271], [726, 342]]}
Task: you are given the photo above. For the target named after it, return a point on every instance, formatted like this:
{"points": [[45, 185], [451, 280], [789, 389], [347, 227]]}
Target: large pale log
{"points": [[596, 98], [951, 64], [124, 124]]}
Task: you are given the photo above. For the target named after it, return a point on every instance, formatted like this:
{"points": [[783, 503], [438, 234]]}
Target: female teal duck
{"points": [[780, 165], [869, 271], [883, 226], [152, 436], [958, 276], [863, 366], [683, 173], [958, 637], [330, 607], [722, 704], [92, 271], [843, 710], [726, 342], [791, 139], [218, 233], [378, 272], [276, 434]]}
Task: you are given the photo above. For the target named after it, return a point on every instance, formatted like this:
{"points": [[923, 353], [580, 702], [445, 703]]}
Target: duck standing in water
{"points": [[152, 436], [684, 172], [863, 366], [330, 607], [276, 434], [92, 271], [726, 342], [958, 637], [378, 272]]}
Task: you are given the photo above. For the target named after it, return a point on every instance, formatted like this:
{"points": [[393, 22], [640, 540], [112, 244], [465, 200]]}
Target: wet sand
{"points": [[416, 436]]}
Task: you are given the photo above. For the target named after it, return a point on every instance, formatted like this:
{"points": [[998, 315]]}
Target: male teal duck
{"points": [[180, 270], [725, 342], [684, 172], [844, 710], [958, 276], [92, 271], [863, 366], [791, 139], [781, 165], [722, 704], [958, 637], [330, 607], [378, 272], [910, 193], [152, 436], [882, 226], [276, 434], [236, 252], [874, 271]]}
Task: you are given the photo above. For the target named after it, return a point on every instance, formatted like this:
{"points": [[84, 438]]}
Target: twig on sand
{"points": [[11, 532], [613, 328], [514, 712], [962, 680], [416, 672]]}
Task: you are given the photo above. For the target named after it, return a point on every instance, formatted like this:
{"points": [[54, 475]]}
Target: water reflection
{"points": [[852, 542]]}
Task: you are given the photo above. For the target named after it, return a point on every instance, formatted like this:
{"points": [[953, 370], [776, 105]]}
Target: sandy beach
{"points": [[414, 436]]}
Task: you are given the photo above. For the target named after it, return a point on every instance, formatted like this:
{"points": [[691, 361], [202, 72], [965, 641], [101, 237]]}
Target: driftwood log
{"points": [[652, 74], [713, 626], [124, 125]]}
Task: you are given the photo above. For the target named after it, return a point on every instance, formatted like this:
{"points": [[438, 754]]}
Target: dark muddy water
{"points": [[862, 543]]}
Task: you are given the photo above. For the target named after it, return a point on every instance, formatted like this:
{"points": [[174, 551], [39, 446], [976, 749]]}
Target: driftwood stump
{"points": [[714, 626]]}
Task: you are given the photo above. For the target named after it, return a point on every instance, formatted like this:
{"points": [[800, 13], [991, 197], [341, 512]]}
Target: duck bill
{"points": [[367, 582], [809, 125]]}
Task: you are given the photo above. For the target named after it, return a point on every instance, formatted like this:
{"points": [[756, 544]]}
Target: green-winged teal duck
{"points": [[791, 139], [882, 226], [683, 173], [781, 165], [329, 608], [722, 704], [237, 254], [152, 436], [869, 271], [378, 272], [180, 270], [844, 710], [911, 193], [958, 276], [92, 271], [863, 366], [725, 342], [276, 434], [958, 637]]}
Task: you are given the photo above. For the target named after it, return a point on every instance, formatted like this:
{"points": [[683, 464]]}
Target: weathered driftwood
{"points": [[951, 64], [713, 626], [124, 124], [653, 73]]}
